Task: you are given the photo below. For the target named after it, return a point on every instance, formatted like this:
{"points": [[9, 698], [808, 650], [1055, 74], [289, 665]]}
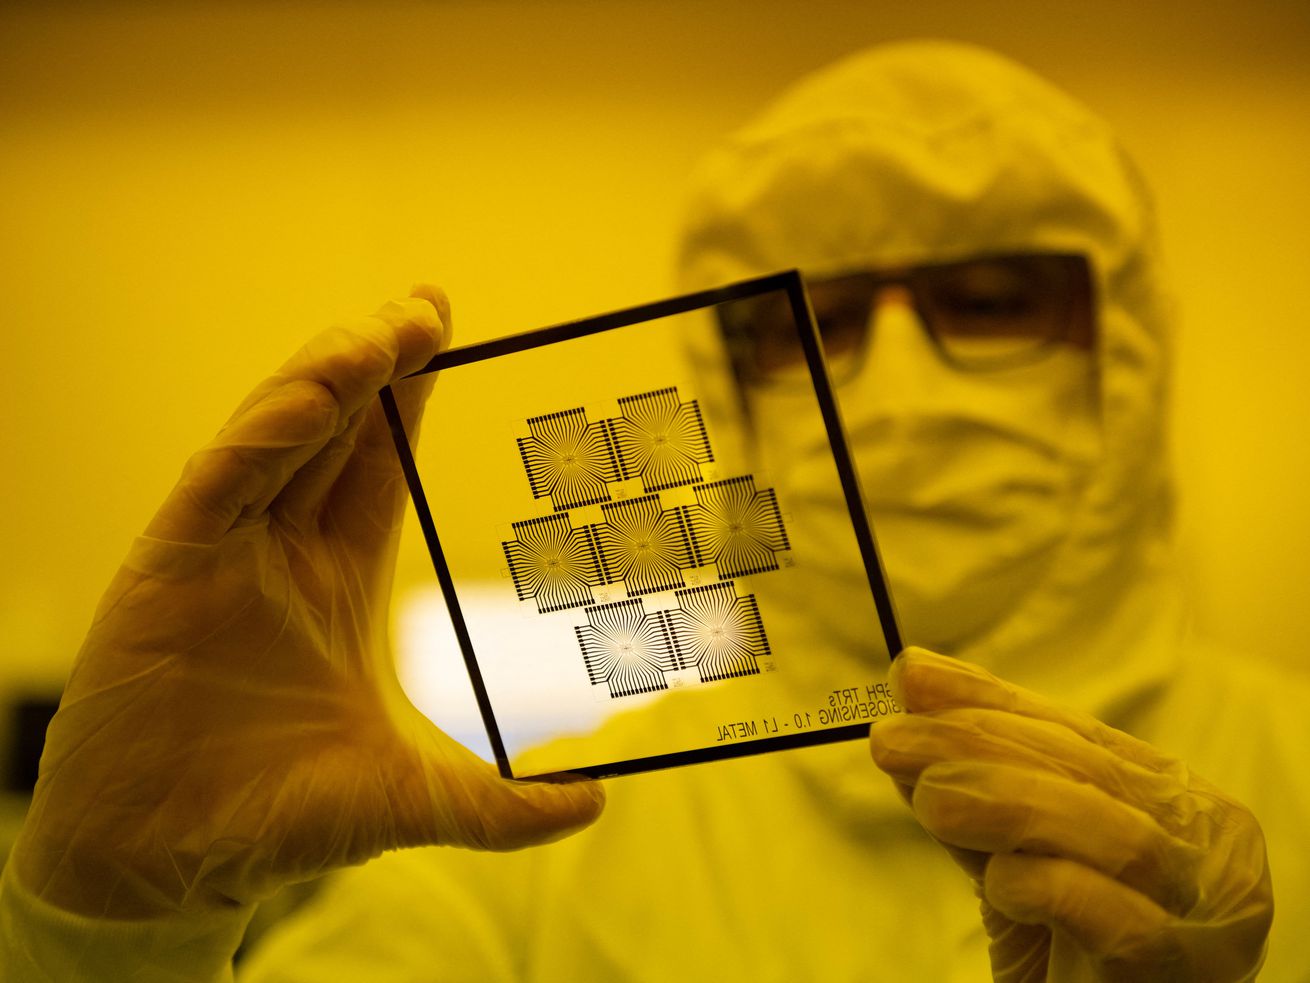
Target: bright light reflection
{"points": [[432, 671]]}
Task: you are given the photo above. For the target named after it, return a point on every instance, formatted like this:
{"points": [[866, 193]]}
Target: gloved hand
{"points": [[233, 722], [1095, 856]]}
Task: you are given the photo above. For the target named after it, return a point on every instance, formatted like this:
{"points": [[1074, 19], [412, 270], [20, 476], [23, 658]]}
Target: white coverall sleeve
{"points": [[409, 915], [45, 944]]}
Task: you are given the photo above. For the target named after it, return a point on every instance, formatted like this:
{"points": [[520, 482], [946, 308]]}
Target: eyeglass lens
{"points": [[982, 314]]}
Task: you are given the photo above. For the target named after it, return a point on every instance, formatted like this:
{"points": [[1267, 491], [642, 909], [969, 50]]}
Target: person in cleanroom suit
{"points": [[233, 723]]}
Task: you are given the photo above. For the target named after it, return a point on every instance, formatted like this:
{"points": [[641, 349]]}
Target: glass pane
{"points": [[634, 587]]}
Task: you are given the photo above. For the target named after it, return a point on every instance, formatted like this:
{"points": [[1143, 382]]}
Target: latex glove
{"points": [[1095, 855], [233, 722]]}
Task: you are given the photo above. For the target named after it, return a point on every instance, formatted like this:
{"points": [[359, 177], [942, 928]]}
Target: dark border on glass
{"points": [[789, 281]]}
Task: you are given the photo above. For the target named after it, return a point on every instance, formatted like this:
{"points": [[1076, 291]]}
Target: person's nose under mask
{"points": [[970, 478]]}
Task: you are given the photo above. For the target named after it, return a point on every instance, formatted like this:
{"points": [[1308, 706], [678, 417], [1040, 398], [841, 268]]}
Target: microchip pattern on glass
{"points": [[553, 563], [568, 459], [717, 632], [649, 548], [626, 648], [736, 527], [660, 439], [643, 545]]}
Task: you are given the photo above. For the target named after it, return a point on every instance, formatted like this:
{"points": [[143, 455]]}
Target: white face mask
{"points": [[970, 479]]}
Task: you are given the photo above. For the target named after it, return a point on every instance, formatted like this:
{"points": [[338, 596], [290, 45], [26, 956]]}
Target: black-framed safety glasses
{"points": [[983, 314]]}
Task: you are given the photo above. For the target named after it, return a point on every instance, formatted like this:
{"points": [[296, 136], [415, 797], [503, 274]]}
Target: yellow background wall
{"points": [[190, 190]]}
